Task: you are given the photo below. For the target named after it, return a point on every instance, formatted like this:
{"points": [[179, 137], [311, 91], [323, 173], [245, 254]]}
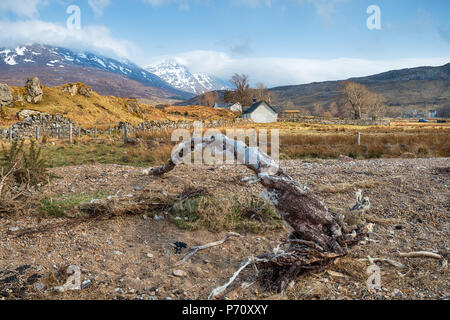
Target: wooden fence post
{"points": [[110, 131], [125, 135], [95, 132], [10, 135], [79, 132], [37, 133], [359, 138], [70, 133]]}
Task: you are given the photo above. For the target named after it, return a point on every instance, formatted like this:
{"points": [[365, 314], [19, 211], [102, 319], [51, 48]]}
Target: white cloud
{"points": [[253, 3], [99, 5], [325, 9], [182, 4], [27, 8], [186, 4], [280, 71], [94, 38]]}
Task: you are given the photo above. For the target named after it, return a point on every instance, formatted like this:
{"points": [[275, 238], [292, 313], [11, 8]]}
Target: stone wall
{"points": [[49, 125], [58, 126], [361, 122]]}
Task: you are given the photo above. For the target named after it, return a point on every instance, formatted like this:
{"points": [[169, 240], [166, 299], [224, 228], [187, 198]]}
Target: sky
{"points": [[276, 42]]}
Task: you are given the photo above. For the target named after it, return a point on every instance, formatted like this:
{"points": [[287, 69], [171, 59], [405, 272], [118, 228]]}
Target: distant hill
{"points": [[416, 86], [90, 109], [56, 65]]}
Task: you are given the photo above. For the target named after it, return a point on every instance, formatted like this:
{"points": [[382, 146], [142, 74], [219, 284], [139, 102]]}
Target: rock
{"points": [[149, 255], [179, 273], [6, 97], [13, 229], [134, 108], [85, 91], [72, 89], [137, 188], [196, 271], [345, 158], [24, 114], [118, 253], [85, 284], [34, 90], [396, 293], [39, 286]]}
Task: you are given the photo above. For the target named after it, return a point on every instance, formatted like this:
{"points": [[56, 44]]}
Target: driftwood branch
{"points": [[194, 250], [317, 236], [388, 261], [420, 254], [217, 291]]}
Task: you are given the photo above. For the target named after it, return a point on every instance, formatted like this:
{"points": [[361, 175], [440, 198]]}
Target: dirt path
{"points": [[131, 257]]}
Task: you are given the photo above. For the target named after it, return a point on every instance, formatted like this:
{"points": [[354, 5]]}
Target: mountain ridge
{"points": [[56, 65], [418, 86], [180, 77]]}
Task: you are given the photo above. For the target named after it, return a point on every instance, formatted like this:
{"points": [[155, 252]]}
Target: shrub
{"points": [[20, 170]]}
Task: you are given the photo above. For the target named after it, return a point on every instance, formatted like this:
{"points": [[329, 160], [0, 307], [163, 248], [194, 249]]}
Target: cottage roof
{"points": [[256, 105]]}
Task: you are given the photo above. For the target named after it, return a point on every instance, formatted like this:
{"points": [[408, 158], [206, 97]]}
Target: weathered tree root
{"points": [[317, 236], [196, 249]]}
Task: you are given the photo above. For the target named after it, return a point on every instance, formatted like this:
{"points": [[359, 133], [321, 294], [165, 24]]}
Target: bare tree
{"points": [[394, 112], [356, 96], [318, 110], [334, 109], [376, 105], [209, 98], [228, 96], [262, 93], [243, 92]]}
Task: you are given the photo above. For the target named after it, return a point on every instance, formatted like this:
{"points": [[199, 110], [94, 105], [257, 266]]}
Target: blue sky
{"points": [[274, 41]]}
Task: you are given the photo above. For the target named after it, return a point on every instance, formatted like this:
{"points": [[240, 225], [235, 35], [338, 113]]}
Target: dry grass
{"points": [[200, 113], [372, 145], [98, 110], [194, 209], [85, 111], [225, 212], [401, 140]]}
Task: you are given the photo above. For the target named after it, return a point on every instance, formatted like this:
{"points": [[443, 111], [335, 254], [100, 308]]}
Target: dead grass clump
{"points": [[20, 172], [225, 213], [193, 209]]}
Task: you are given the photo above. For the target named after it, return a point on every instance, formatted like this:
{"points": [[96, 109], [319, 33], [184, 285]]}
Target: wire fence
{"points": [[122, 131]]}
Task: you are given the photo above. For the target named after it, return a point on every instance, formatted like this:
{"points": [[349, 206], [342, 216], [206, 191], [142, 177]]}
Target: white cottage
{"points": [[236, 107], [261, 112]]}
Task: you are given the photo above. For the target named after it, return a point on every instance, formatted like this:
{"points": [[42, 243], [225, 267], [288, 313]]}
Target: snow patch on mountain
{"points": [[57, 57], [181, 78]]}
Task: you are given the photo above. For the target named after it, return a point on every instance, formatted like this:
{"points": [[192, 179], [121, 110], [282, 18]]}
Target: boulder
{"points": [[27, 113], [6, 97], [72, 89], [79, 88], [85, 91], [134, 108], [34, 90]]}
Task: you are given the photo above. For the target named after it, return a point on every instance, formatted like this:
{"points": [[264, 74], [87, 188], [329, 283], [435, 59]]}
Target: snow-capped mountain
{"points": [[56, 65], [181, 78]]}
